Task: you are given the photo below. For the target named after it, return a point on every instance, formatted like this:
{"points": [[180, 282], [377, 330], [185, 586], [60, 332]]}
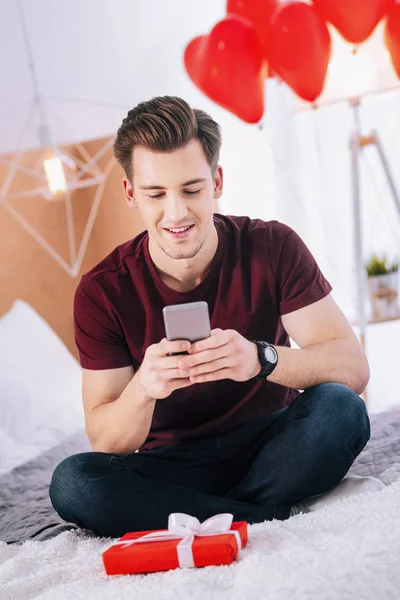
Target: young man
{"points": [[224, 427]]}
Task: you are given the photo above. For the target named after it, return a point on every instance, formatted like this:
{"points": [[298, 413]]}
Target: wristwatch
{"points": [[268, 357]]}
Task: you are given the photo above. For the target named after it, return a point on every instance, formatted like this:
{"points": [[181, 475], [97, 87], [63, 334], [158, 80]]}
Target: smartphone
{"points": [[187, 321]]}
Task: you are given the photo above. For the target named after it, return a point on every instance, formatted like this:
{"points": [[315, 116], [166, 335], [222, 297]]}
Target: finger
{"points": [[175, 373], [205, 356], [218, 340], [215, 376], [215, 331], [181, 383], [173, 363], [171, 346], [209, 367]]}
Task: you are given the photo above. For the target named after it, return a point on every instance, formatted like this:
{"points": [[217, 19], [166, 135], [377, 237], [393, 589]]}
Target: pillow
{"points": [[40, 387]]}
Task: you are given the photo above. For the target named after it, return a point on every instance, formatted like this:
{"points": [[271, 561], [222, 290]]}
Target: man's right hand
{"points": [[159, 374]]}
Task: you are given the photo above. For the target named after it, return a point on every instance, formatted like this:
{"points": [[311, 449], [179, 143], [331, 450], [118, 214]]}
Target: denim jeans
{"points": [[255, 471]]}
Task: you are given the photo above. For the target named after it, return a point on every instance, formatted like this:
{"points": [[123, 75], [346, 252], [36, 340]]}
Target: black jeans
{"points": [[256, 471]]}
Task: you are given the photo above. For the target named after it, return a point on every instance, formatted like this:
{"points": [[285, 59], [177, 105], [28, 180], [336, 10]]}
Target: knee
{"points": [[69, 481], [344, 401], [343, 407]]}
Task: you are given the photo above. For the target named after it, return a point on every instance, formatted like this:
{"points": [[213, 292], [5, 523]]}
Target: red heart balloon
{"points": [[354, 19], [227, 66], [392, 36], [258, 12], [299, 48]]}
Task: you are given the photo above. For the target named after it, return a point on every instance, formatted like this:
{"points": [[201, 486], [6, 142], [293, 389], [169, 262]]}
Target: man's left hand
{"points": [[224, 355]]}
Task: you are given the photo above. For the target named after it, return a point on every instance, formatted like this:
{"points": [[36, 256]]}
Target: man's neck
{"points": [[187, 276]]}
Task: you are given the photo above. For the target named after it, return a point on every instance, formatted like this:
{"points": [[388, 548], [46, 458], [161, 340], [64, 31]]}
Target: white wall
{"points": [[95, 60], [297, 169]]}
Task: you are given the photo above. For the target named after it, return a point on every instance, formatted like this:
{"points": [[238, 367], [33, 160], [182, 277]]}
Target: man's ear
{"points": [[218, 182], [130, 198]]}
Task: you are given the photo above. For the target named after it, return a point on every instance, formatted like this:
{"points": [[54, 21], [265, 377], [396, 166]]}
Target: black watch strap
{"points": [[268, 364]]}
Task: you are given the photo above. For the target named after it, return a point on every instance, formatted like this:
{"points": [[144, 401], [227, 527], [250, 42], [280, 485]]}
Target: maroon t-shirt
{"points": [[260, 271]]}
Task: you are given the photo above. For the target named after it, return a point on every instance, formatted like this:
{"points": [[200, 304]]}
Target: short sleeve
{"points": [[100, 344], [300, 281]]}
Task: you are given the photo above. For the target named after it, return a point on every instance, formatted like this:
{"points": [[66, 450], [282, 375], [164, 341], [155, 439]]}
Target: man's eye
{"points": [[161, 194]]}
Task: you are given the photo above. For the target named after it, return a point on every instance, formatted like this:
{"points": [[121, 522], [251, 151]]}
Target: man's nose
{"points": [[175, 209]]}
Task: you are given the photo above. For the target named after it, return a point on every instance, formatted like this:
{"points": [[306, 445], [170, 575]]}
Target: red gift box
{"points": [[186, 543]]}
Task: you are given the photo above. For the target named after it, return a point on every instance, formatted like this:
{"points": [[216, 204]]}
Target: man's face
{"points": [[175, 190]]}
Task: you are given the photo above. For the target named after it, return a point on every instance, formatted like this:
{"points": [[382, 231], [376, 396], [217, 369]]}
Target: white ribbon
{"points": [[186, 527]]}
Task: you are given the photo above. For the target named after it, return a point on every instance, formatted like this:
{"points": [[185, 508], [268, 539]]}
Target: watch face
{"points": [[270, 354]]}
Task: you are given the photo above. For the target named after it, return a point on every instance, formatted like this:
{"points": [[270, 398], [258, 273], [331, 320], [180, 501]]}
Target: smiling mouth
{"points": [[179, 232]]}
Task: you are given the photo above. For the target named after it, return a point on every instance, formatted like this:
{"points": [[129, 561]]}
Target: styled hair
{"points": [[165, 124]]}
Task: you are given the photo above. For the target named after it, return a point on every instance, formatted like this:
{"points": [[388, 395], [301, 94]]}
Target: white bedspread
{"points": [[348, 550], [40, 387]]}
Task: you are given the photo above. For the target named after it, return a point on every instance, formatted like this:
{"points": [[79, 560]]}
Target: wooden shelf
{"points": [[385, 320], [374, 321]]}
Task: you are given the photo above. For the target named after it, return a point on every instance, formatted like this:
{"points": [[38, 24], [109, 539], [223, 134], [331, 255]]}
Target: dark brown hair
{"points": [[164, 124]]}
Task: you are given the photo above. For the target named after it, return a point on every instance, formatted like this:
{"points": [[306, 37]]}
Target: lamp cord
{"points": [[31, 65]]}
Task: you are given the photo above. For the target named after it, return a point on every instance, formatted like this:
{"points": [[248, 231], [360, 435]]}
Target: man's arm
{"points": [[117, 414], [329, 349], [119, 404]]}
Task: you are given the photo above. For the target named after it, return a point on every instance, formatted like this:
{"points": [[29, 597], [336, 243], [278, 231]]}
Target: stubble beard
{"points": [[185, 253], [181, 253]]}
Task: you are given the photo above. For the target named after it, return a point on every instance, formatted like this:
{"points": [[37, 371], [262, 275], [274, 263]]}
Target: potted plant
{"points": [[383, 286]]}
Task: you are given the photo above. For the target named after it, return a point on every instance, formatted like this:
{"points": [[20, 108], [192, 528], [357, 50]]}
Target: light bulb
{"points": [[55, 175]]}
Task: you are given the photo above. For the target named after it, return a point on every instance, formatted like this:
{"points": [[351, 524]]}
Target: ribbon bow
{"points": [[181, 525]]}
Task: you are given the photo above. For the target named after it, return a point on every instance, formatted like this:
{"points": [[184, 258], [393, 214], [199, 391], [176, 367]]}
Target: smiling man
{"points": [[223, 428]]}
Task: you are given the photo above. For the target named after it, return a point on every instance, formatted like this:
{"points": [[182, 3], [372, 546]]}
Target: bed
{"points": [[39, 379], [348, 550]]}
